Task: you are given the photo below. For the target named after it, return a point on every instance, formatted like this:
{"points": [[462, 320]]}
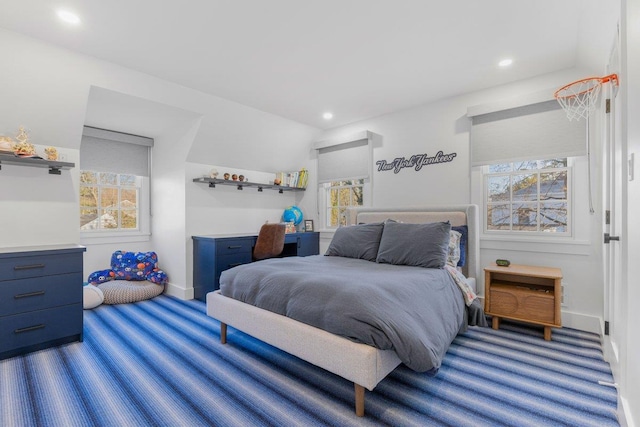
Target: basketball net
{"points": [[578, 99]]}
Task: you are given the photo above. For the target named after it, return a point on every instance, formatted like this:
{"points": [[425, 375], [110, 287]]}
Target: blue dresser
{"points": [[40, 297], [214, 254]]}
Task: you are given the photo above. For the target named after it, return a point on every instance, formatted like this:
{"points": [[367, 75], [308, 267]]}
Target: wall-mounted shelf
{"points": [[55, 167], [240, 185]]}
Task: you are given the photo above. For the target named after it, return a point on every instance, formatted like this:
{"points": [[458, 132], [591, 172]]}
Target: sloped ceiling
{"points": [[356, 58]]}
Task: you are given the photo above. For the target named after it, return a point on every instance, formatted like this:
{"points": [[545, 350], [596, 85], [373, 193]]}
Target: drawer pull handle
{"points": [[234, 247], [28, 267], [29, 294], [29, 328], [235, 264]]}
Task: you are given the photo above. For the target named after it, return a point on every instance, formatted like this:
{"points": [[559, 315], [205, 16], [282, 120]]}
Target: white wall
{"points": [[443, 126], [35, 206], [47, 89]]}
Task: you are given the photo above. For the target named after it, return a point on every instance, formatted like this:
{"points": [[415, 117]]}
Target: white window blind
{"points": [[108, 151], [535, 131], [349, 158]]}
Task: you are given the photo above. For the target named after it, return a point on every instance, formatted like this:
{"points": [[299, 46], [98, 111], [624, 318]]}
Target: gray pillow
{"points": [[356, 241], [420, 245]]}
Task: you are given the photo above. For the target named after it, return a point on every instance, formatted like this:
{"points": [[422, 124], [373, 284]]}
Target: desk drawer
{"points": [[226, 262], [234, 246], [39, 265], [26, 329], [229, 261], [19, 296]]}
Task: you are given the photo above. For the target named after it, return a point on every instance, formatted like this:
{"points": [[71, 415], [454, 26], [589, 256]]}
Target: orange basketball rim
{"points": [[578, 98]]}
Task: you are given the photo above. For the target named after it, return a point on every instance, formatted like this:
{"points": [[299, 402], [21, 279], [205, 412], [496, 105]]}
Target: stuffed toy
{"points": [[131, 266]]}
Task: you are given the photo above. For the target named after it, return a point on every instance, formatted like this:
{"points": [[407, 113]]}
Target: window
{"points": [[109, 201], [114, 185], [339, 196], [529, 197], [344, 175]]}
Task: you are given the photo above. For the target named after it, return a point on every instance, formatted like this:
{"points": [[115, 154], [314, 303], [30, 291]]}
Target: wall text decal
{"points": [[417, 161]]}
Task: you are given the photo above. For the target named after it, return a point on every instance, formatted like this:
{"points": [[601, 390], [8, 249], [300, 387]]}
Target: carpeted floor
{"points": [[160, 362]]}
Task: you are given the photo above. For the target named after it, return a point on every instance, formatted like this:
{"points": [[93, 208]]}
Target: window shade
{"points": [[108, 151], [348, 160], [531, 132]]}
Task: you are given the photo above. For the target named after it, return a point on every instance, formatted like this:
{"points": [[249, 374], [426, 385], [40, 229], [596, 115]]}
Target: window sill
{"points": [[111, 238]]}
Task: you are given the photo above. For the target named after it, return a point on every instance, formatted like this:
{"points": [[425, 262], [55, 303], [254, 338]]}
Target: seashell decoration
{"points": [[51, 153]]}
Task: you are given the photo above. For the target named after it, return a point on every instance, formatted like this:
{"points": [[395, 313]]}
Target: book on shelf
{"points": [[297, 179]]}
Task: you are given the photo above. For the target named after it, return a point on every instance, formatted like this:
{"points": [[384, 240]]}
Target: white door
{"points": [[613, 218]]}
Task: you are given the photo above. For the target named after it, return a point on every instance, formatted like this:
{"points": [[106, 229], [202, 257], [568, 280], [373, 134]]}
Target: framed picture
{"points": [[308, 225]]}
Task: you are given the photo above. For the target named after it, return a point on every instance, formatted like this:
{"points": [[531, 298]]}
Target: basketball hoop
{"points": [[578, 99]]}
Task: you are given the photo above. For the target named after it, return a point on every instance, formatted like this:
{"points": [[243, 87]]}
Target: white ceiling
{"points": [[300, 58]]}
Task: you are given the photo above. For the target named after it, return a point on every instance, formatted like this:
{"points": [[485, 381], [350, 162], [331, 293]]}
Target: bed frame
{"points": [[362, 364]]}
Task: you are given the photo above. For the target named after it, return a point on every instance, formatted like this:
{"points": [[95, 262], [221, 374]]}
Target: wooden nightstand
{"points": [[526, 293]]}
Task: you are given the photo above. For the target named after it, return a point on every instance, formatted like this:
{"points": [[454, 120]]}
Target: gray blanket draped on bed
{"points": [[413, 310]]}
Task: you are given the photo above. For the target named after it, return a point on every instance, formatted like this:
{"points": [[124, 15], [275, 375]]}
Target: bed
{"points": [[363, 364]]}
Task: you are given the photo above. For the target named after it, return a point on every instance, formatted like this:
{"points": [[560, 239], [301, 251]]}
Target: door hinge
{"points": [[606, 327], [607, 217], [607, 107]]}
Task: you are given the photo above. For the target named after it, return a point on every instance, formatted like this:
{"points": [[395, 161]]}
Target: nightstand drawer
{"points": [[234, 246], [39, 265], [27, 329], [18, 296], [522, 303]]}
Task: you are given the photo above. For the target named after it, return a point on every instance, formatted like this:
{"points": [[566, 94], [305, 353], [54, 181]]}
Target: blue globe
{"points": [[292, 214]]}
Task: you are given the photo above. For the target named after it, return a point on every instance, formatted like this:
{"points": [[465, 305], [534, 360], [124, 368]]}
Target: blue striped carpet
{"points": [[160, 362]]}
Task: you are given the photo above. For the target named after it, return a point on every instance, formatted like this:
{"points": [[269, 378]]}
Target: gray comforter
{"points": [[413, 310]]}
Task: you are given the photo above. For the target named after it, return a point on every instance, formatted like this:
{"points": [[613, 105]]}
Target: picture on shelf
{"points": [[308, 225], [290, 227]]}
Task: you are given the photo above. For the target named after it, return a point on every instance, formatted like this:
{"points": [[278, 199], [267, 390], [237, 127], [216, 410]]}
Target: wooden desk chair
{"points": [[270, 242]]}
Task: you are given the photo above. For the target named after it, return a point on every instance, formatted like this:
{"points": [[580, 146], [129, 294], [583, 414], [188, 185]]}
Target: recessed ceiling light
{"points": [[505, 62], [327, 116], [69, 17]]}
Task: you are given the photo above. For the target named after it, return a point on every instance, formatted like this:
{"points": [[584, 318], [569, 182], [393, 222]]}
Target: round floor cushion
{"points": [[125, 291], [92, 297]]}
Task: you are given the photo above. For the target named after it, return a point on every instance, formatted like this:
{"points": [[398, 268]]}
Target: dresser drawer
{"points": [[37, 327], [21, 267], [234, 246], [18, 296]]}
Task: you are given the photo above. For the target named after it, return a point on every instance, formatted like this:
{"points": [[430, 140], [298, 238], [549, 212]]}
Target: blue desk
{"points": [[214, 254]]}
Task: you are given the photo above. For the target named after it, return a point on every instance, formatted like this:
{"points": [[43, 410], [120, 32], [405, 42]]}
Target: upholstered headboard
{"points": [[456, 214]]}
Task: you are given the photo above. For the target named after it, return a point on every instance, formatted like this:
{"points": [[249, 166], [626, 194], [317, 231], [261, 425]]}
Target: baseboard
{"points": [[582, 322], [578, 321], [178, 291], [624, 412]]}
